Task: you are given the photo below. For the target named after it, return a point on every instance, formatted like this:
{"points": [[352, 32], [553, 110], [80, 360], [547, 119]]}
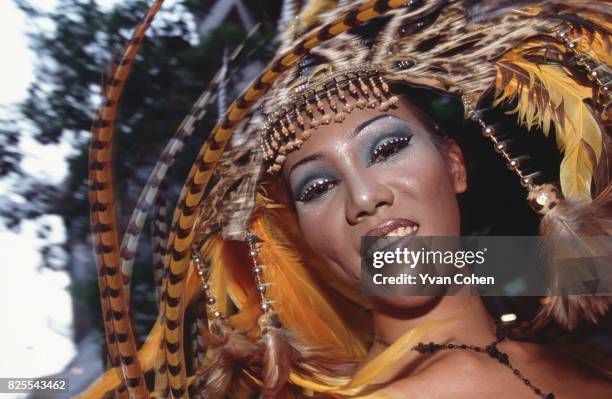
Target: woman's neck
{"points": [[470, 321]]}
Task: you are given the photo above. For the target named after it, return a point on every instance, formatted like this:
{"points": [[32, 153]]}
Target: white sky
{"points": [[35, 307], [34, 303]]}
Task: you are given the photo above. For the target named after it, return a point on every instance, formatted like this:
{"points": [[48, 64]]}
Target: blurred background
{"points": [[55, 53]]}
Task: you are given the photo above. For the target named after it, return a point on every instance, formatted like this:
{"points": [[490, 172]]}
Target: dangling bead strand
{"points": [[541, 198], [260, 285], [597, 73], [203, 272]]}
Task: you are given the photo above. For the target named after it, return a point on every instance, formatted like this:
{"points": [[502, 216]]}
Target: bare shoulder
{"points": [[456, 375], [460, 375]]}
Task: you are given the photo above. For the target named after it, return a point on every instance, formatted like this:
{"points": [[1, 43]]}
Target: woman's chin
{"points": [[401, 304]]}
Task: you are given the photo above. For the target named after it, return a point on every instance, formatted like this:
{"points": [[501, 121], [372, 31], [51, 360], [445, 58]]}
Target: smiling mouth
{"points": [[403, 231], [392, 234], [395, 227]]}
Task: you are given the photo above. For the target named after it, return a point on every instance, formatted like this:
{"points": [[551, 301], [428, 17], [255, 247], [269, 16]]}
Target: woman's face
{"points": [[374, 174]]}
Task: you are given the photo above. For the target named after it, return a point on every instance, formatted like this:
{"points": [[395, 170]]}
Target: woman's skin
{"points": [[350, 180]]}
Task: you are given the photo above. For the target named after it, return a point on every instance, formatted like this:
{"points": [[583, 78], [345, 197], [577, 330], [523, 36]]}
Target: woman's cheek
{"points": [[323, 229], [310, 218]]}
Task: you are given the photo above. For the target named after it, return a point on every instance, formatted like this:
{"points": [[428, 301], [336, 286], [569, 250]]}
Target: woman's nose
{"points": [[366, 192]]}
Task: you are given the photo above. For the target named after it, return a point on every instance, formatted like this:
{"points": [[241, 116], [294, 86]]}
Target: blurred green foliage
{"points": [[174, 65]]}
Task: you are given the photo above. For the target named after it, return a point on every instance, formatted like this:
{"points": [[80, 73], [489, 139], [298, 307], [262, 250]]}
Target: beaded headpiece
{"points": [[549, 58], [322, 101]]}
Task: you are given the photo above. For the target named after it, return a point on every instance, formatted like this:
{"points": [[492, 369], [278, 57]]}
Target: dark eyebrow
{"points": [[354, 133], [367, 123], [307, 159]]}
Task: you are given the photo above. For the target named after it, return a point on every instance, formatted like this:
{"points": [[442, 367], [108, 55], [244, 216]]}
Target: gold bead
{"points": [[361, 103], [309, 108], [276, 167], [306, 134], [500, 147], [325, 119], [526, 181], [393, 101], [352, 88], [513, 164], [348, 107], [364, 88], [314, 122], [320, 106], [280, 159], [340, 117], [384, 106], [331, 101], [543, 198]]}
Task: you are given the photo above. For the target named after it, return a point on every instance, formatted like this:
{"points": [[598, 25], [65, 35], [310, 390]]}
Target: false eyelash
{"points": [[305, 196], [386, 144]]}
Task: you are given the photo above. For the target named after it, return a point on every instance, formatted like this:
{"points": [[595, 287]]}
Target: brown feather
{"points": [[277, 355], [603, 174], [227, 349], [575, 218]]}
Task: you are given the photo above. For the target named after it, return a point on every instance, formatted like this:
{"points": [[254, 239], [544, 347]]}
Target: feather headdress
{"points": [[271, 323]]}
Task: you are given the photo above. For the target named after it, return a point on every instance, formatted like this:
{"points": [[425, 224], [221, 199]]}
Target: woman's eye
{"points": [[388, 148], [316, 189]]}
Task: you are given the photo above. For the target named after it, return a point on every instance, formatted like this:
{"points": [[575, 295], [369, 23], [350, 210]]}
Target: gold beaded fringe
{"points": [[316, 104]]}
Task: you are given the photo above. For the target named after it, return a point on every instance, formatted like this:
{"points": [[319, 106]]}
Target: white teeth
{"points": [[402, 231]]}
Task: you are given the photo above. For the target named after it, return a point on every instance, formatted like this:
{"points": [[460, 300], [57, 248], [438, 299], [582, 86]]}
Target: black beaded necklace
{"points": [[491, 350]]}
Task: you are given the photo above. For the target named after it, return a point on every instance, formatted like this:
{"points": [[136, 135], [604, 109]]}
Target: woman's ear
{"points": [[456, 165]]}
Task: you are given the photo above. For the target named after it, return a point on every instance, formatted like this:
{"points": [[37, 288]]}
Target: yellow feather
{"points": [[240, 282], [312, 9], [146, 355], [399, 350], [246, 319], [378, 367], [112, 378], [298, 297], [578, 133], [598, 47], [212, 251], [231, 280]]}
